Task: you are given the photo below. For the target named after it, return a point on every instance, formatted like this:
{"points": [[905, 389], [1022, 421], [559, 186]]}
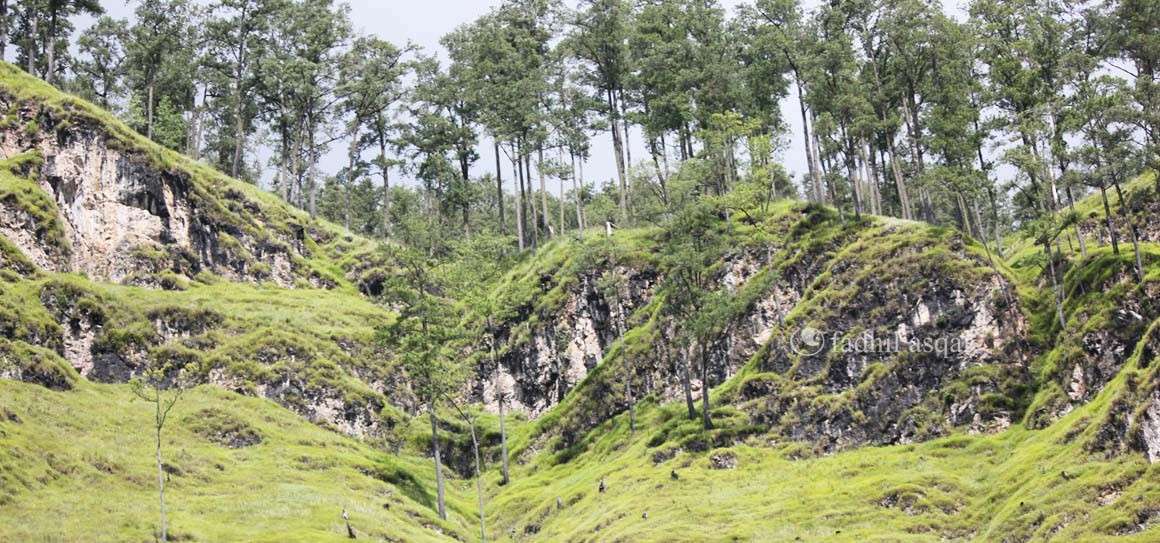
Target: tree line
{"points": [[992, 121]]}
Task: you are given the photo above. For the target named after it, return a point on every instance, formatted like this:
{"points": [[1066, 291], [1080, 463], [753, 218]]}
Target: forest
{"points": [[990, 120]]}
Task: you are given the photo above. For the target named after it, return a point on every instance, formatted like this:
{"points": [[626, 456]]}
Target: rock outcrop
{"points": [[128, 216]]}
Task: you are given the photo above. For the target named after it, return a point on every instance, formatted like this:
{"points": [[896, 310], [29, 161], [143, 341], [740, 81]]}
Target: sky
{"points": [[424, 22]]}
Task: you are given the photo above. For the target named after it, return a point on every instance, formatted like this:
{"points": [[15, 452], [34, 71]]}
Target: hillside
{"points": [[116, 255]]}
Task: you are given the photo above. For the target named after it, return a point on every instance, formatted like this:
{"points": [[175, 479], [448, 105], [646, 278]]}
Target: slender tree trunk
{"points": [[3, 30], [811, 162], [1056, 294], [518, 171], [618, 149], [563, 208], [872, 176], [239, 125], [438, 464], [351, 158], [627, 143], [1131, 230], [149, 113], [1078, 232], [160, 471], [533, 220], [499, 189], [384, 170], [50, 47], [706, 420], [312, 183], [547, 213], [900, 183], [33, 40], [995, 221], [576, 194], [1110, 220], [478, 484], [686, 383]]}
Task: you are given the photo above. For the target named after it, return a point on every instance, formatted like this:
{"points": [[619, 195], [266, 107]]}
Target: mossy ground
{"points": [[80, 466]]}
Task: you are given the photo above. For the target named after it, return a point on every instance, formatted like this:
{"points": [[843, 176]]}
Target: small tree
{"points": [[691, 250], [163, 385], [424, 335]]}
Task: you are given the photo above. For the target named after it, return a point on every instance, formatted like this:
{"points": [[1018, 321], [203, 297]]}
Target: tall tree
{"points": [[370, 79], [100, 67], [159, 52]]}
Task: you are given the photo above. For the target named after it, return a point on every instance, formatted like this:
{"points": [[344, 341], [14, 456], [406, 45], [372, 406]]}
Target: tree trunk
{"points": [[576, 195], [33, 39], [1056, 295], [815, 175], [708, 422], [518, 171], [1110, 220], [499, 190], [160, 471], [478, 484], [995, 221], [547, 213], [386, 172], [686, 384], [1078, 232], [900, 183], [50, 47], [438, 464], [563, 210], [352, 155], [3, 30], [618, 149], [149, 113], [627, 160], [1131, 230], [533, 220], [312, 183]]}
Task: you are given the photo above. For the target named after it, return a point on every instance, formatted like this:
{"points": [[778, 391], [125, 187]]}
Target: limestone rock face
{"points": [[127, 218]]}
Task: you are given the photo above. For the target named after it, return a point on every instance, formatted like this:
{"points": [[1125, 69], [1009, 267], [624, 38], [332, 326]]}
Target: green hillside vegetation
{"points": [[76, 456], [77, 466]]}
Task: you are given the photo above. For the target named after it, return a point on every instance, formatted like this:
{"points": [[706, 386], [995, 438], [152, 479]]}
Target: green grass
{"points": [[79, 466], [1005, 487]]}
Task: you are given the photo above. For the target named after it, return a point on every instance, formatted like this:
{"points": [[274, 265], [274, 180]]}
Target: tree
{"points": [[424, 335], [100, 68], [1134, 32], [159, 52], [690, 252], [235, 35], [600, 33], [371, 77], [163, 386], [43, 28]]}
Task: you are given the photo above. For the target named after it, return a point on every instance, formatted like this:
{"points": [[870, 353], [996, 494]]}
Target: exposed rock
{"points": [[125, 216], [723, 460], [1150, 429]]}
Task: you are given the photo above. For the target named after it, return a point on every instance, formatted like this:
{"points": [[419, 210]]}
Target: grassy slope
{"points": [[79, 466], [1006, 487], [71, 444]]}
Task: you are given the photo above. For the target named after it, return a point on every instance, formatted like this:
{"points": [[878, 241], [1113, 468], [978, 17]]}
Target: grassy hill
{"points": [[311, 415]]}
